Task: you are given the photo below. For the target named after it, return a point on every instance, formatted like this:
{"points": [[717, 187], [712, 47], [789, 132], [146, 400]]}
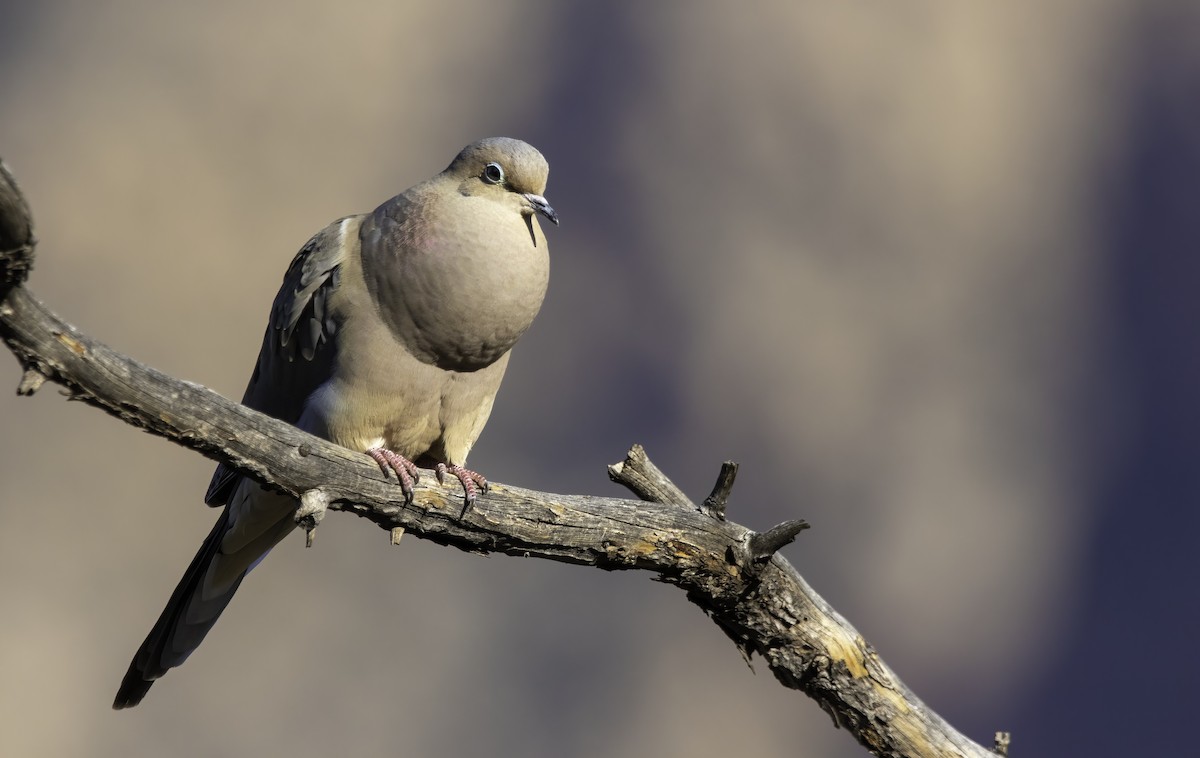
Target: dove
{"points": [[389, 336]]}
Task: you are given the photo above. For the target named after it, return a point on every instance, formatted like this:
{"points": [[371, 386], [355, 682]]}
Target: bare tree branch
{"points": [[756, 597]]}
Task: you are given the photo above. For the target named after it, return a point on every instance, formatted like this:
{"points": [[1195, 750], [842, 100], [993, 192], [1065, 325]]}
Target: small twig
{"points": [[638, 474], [1003, 740], [397, 533], [31, 382], [765, 544], [313, 505], [714, 504]]}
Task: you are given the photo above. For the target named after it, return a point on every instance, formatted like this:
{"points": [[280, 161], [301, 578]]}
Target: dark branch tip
{"points": [[16, 233], [763, 545], [714, 504]]}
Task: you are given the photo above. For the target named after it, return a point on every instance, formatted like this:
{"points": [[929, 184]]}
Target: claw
{"points": [[406, 471], [472, 482]]}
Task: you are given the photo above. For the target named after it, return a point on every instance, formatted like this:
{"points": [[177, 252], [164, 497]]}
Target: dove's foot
{"points": [[405, 470], [472, 482]]}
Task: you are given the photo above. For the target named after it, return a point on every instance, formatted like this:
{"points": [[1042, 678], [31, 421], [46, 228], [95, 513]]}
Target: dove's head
{"points": [[507, 169]]}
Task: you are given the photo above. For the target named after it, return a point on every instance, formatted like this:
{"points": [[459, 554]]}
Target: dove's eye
{"points": [[493, 174]]}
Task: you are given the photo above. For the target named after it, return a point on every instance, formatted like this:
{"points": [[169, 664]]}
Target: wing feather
{"points": [[297, 353]]}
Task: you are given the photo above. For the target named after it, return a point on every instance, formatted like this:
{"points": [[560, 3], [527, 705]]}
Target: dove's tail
{"points": [[234, 546]]}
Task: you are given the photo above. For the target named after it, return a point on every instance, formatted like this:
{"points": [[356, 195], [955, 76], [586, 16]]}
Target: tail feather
{"points": [[210, 582]]}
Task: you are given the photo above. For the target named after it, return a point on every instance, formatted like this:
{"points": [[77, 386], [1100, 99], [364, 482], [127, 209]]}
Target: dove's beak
{"points": [[539, 204]]}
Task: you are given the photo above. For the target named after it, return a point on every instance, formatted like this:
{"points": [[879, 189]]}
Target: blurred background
{"points": [[928, 271]]}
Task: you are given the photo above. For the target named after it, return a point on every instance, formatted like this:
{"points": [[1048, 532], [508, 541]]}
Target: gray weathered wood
{"points": [[733, 573]]}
